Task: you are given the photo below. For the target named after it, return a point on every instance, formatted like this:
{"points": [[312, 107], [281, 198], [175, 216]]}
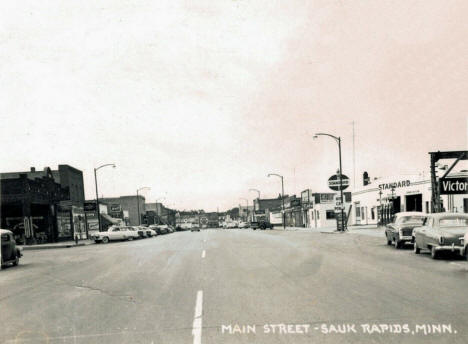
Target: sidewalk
{"points": [[371, 230], [63, 244]]}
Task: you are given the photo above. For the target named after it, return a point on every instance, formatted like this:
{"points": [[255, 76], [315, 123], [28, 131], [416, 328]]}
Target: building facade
{"points": [[44, 206], [380, 199], [131, 209]]}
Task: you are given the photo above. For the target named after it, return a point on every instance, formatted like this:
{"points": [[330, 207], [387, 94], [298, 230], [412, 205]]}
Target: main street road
{"points": [[235, 286]]}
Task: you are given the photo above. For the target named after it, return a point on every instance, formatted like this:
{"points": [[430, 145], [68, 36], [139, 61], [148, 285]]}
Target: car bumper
{"points": [[406, 238], [450, 248]]}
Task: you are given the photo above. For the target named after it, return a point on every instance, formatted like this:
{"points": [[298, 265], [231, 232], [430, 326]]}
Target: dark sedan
{"points": [[441, 232], [400, 230]]}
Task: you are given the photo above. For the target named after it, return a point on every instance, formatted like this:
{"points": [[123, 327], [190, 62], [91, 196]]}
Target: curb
{"points": [[48, 247]]}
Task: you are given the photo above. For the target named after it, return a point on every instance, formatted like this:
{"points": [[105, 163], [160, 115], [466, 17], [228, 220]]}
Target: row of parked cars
{"points": [[130, 233], [252, 224], [435, 233]]}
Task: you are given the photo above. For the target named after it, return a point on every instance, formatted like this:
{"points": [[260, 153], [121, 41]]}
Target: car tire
{"points": [[16, 261], [397, 244], [105, 240], [130, 238], [416, 249], [434, 253], [389, 242], [97, 241]]}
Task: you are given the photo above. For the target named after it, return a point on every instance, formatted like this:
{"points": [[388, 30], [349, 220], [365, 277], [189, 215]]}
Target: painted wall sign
{"points": [[399, 184]]}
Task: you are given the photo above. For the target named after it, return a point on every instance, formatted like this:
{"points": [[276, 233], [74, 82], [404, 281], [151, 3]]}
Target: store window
{"points": [[363, 213], [358, 211], [373, 213], [330, 214]]}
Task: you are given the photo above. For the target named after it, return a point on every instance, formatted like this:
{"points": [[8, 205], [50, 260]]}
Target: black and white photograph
{"points": [[234, 171]]}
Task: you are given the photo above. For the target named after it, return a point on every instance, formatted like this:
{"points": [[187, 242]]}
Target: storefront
{"points": [[377, 202], [322, 213]]}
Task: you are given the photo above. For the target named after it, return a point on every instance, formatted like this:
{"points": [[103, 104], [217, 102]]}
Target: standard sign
{"points": [[334, 182], [451, 186]]}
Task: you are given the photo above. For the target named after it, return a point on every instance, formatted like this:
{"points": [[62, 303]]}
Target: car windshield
{"points": [[410, 219], [453, 221]]}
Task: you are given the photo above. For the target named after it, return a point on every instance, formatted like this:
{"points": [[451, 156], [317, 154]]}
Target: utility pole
{"points": [[97, 194]]}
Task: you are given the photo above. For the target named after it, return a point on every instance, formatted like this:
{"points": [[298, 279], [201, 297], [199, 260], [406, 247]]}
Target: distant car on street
{"points": [[113, 233], [162, 229], [265, 225], [243, 224], [195, 229], [400, 230], [253, 225], [11, 254], [441, 232], [148, 231]]}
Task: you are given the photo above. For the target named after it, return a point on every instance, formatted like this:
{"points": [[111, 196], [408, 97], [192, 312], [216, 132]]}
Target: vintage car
{"points": [[465, 245], [400, 230], [441, 232], [195, 229], [265, 225], [10, 253], [114, 233]]}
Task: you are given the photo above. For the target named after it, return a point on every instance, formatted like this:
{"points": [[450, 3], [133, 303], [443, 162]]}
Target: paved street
{"points": [[198, 287]]}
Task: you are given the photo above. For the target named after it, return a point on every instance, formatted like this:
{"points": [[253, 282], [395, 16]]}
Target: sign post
{"points": [[339, 182]]}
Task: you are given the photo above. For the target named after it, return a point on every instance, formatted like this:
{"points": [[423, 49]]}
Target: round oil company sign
{"points": [[204, 221], [334, 182]]}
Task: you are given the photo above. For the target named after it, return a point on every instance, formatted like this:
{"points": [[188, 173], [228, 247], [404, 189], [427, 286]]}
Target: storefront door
{"points": [[414, 202]]}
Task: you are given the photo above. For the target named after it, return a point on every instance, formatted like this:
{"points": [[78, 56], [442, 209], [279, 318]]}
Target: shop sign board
{"points": [[453, 186], [334, 182], [89, 206]]}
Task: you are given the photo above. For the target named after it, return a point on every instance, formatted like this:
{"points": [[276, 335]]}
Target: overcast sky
{"points": [[200, 100]]}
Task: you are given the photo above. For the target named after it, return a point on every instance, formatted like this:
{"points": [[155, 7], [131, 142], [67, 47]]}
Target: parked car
{"points": [[195, 229], [254, 225], [134, 232], [161, 229], [441, 232], [149, 232], [243, 224], [11, 254], [400, 230], [265, 225], [113, 233], [465, 245]]}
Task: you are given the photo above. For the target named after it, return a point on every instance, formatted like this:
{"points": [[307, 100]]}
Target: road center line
{"points": [[197, 320], [203, 254]]}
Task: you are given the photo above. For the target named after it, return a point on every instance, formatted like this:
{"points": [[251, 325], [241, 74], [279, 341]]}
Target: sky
{"points": [[200, 100]]}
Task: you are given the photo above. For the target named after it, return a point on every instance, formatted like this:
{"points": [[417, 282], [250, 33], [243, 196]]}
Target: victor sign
{"points": [[452, 186], [334, 182]]}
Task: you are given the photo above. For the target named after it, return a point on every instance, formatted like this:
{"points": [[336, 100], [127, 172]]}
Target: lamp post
{"points": [[254, 217], [138, 202], [246, 202], [282, 195], [97, 195], [338, 141]]}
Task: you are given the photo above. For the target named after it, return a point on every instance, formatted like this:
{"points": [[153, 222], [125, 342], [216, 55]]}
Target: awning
{"points": [[110, 219]]}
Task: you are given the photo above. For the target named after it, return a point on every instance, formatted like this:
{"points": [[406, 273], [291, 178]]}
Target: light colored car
{"points": [[243, 224], [148, 232], [441, 232], [113, 233], [400, 230], [464, 243]]}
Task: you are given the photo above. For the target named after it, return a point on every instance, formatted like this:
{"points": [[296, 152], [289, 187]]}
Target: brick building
{"points": [[118, 207], [43, 206]]}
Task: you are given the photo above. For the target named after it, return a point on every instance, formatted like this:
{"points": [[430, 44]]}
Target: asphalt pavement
{"points": [[235, 286]]}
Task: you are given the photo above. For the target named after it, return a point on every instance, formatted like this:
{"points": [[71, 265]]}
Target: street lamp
{"points": [[97, 195], [247, 202], [138, 202], [282, 194], [254, 217], [338, 141]]}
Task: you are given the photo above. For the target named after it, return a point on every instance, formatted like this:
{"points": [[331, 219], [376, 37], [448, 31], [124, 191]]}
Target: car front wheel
{"points": [[397, 244], [434, 253], [389, 242], [416, 249], [105, 240], [16, 261]]}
